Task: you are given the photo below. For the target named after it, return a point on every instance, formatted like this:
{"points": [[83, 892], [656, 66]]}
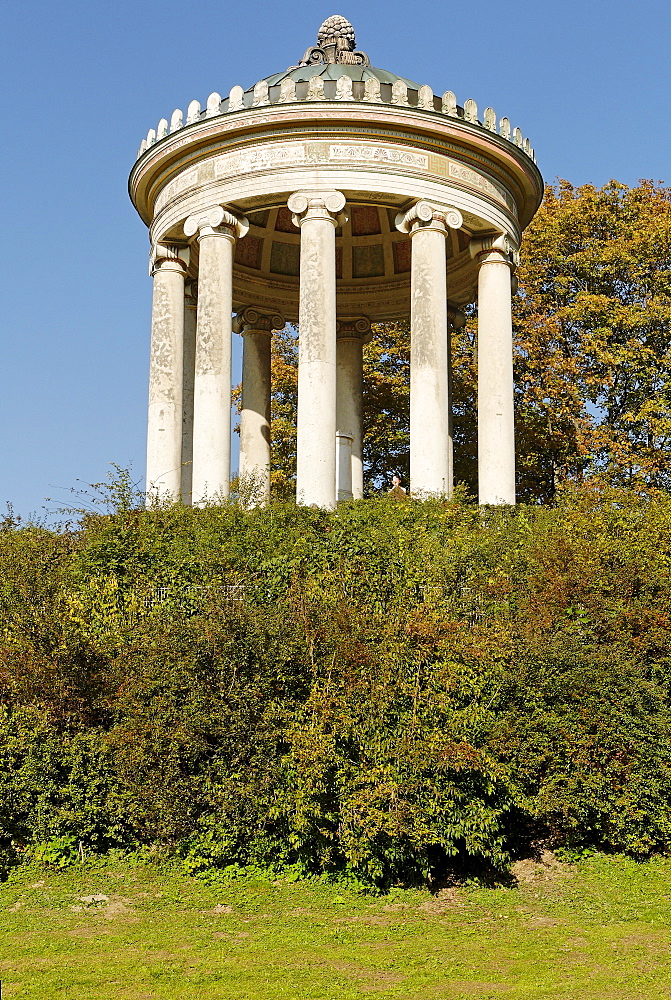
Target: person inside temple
{"points": [[397, 490]]}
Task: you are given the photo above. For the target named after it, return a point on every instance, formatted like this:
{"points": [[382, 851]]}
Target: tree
{"points": [[592, 334], [592, 331]]}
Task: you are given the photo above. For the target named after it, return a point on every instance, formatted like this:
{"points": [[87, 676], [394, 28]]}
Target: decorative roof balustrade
{"points": [[368, 91]]}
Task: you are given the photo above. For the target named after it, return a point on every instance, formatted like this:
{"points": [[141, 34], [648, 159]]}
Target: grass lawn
{"points": [[596, 930]]}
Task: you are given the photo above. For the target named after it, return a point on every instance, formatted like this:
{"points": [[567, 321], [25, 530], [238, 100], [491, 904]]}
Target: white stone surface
{"points": [[343, 466], [430, 423], [256, 329], [217, 230], [317, 215], [430, 471], [496, 423], [349, 408], [164, 424], [189, 356]]}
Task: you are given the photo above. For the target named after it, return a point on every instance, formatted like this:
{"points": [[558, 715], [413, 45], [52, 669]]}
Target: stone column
{"points": [[256, 329], [350, 338], [427, 225], [496, 426], [190, 305], [164, 425], [217, 231], [317, 214], [456, 320]]}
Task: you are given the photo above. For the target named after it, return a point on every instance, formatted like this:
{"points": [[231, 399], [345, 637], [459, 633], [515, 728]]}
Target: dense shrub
{"points": [[394, 688]]}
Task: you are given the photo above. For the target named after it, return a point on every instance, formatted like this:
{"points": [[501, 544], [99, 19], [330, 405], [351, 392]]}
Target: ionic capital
{"points": [[191, 294], [356, 329], [423, 215], [494, 249], [326, 205], [456, 317], [251, 320], [169, 257], [216, 221]]}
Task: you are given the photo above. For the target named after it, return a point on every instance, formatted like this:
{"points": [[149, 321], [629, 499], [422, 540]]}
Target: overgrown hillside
{"points": [[396, 688]]}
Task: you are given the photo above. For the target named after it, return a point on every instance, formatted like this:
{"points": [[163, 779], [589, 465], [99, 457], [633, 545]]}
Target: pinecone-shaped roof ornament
{"points": [[337, 30], [336, 41]]}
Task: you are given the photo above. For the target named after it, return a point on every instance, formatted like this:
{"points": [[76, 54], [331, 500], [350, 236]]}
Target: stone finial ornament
{"points": [[504, 128], [176, 121], [527, 147], [337, 29], [236, 99], [425, 98], [260, 94], [489, 119], [471, 111], [449, 104], [517, 137], [344, 90], [151, 137], [315, 89], [371, 90], [399, 93], [336, 43], [213, 105], [193, 112], [287, 91], [162, 128]]}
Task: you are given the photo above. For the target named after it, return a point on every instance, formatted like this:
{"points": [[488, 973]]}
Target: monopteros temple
{"points": [[332, 195]]}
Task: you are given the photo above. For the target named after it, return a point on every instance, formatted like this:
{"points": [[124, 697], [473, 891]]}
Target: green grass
{"points": [[599, 929]]}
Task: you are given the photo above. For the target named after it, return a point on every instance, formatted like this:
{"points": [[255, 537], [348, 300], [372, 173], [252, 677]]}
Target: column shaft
{"points": [[187, 391], [316, 423], [212, 382], [429, 402], [349, 395], [256, 329], [217, 231], [496, 424], [255, 415], [164, 425]]}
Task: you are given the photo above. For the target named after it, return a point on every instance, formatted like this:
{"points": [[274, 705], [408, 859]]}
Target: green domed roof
{"points": [[331, 71], [335, 55]]}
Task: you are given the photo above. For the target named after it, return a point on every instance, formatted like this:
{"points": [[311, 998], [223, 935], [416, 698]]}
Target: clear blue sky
{"points": [[83, 81]]}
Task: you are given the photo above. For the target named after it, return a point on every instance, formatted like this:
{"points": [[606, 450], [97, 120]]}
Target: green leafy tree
{"points": [[592, 338]]}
